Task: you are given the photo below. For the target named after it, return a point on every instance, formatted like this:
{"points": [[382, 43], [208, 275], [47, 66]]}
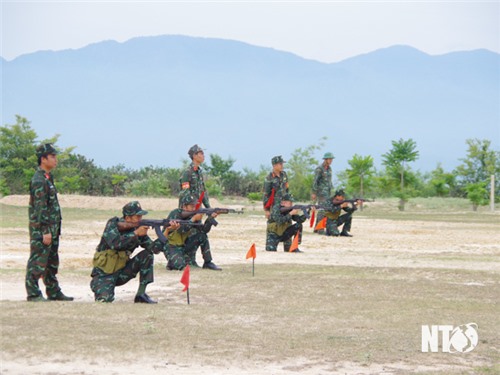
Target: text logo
{"points": [[461, 339]]}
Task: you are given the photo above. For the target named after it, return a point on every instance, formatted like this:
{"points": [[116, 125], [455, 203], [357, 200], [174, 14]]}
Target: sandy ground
{"points": [[376, 243]]}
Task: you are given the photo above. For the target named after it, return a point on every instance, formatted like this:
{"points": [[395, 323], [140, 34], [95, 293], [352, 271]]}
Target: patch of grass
{"points": [[355, 314]]}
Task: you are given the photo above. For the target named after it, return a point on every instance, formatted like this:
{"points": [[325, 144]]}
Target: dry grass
{"points": [[344, 306]]}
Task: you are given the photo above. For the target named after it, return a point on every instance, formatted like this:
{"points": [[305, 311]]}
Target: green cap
{"points": [[288, 197], [339, 192], [194, 150], [187, 198], [133, 208], [328, 155], [45, 149], [277, 159]]}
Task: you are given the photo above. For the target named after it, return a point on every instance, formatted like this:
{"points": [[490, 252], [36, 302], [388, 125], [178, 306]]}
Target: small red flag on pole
{"points": [[185, 281], [321, 224], [252, 254], [295, 243], [313, 216]]}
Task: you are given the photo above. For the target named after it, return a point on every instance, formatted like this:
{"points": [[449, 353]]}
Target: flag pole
{"points": [[187, 294], [253, 266]]}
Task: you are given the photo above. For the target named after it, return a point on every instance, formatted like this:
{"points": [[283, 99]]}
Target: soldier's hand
{"points": [[197, 217], [174, 225], [214, 215], [141, 231], [313, 197], [47, 239], [344, 205], [268, 214], [295, 212]]}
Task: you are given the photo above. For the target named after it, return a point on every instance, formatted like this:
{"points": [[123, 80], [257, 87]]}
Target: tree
{"points": [[302, 165], [479, 164], [396, 160], [477, 194], [361, 168]]}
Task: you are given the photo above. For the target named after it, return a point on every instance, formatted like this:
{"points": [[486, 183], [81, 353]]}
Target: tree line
{"points": [[76, 174]]}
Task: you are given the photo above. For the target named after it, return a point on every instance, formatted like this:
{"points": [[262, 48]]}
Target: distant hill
{"points": [[146, 101]]}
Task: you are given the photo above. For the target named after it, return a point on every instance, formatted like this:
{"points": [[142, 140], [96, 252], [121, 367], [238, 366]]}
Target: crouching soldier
{"points": [[280, 227], [112, 263], [184, 239], [333, 209]]}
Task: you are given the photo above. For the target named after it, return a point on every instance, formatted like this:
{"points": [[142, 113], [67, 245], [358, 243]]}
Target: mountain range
{"points": [[147, 100]]}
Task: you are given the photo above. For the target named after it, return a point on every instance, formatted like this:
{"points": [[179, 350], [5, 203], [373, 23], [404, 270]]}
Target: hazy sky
{"points": [[328, 31]]}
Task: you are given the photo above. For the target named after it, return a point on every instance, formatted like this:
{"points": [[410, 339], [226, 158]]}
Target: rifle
{"points": [[306, 208], [209, 211], [158, 225], [351, 201]]}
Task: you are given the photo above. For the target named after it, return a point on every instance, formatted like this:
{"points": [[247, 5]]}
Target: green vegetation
{"points": [[76, 174]]}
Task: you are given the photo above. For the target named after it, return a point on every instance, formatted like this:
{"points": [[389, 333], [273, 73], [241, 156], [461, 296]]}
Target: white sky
{"points": [[327, 31]]}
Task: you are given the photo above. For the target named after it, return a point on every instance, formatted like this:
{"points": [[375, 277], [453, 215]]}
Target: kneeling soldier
{"points": [[184, 239], [333, 209], [112, 265], [280, 227]]}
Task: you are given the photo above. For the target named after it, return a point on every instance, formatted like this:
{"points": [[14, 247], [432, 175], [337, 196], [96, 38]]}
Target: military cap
{"points": [[277, 159], [339, 192], [328, 155], [133, 208], [194, 150], [45, 149], [288, 197], [187, 198]]}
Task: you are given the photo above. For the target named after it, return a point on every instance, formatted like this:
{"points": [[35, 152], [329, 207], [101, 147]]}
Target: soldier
{"points": [[112, 263], [275, 185], [184, 239], [322, 186], [45, 229], [280, 227], [192, 183], [335, 219]]}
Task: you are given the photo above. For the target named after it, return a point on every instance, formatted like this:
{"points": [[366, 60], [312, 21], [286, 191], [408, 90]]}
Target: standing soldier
{"points": [[192, 183], [322, 186], [45, 229], [275, 185]]}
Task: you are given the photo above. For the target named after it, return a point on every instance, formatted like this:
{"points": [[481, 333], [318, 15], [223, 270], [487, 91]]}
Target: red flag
{"points": [[200, 200], [185, 278], [321, 224], [271, 199], [295, 243], [313, 216], [251, 252]]}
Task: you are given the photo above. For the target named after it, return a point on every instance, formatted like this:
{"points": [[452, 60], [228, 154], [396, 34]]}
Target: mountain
{"points": [[146, 101]]}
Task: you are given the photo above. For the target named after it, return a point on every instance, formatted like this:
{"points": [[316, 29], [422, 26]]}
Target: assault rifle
{"points": [[158, 225], [209, 211], [351, 201], [306, 208]]}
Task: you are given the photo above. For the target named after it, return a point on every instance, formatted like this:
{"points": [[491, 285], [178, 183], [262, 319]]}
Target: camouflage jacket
{"points": [[192, 180], [113, 239], [333, 211], [322, 184], [44, 210], [278, 183], [279, 222]]}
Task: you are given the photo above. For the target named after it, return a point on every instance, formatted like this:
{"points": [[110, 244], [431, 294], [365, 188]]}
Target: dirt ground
{"points": [[377, 243]]}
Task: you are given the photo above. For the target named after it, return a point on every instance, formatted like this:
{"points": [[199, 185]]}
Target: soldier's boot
{"points": [[39, 298], [144, 298], [60, 296], [211, 266]]}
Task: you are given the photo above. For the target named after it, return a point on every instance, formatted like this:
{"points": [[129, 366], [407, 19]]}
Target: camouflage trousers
{"points": [[332, 226], [103, 284], [43, 263], [320, 214], [273, 239], [179, 256]]}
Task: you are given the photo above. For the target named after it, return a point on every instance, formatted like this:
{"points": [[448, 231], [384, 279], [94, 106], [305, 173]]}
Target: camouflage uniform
{"points": [[275, 186], [335, 219], [44, 218], [322, 186], [112, 265], [281, 229], [183, 243]]}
